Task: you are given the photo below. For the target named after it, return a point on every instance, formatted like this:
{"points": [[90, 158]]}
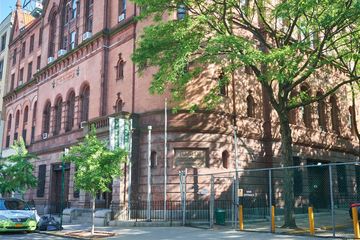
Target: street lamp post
{"points": [[149, 176], [66, 151]]}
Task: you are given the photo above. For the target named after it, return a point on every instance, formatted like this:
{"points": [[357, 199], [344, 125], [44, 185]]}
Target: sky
{"points": [[5, 8]]}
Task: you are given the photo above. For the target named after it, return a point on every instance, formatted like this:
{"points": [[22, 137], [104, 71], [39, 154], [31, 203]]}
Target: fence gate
{"points": [[207, 200]]}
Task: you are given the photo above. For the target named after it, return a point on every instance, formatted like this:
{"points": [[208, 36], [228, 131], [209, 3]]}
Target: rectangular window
{"points": [[21, 76], [29, 75], [1, 68], [12, 82], [3, 42], [89, 15], [40, 36], [32, 40], [41, 181], [341, 179], [72, 40], [14, 57], [122, 10], [23, 49], [73, 9], [38, 62]]}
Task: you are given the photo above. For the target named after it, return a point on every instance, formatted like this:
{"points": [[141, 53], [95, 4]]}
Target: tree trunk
{"points": [[288, 174], [93, 216]]}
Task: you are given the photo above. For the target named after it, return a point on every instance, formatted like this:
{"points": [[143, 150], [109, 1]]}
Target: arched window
{"points": [[153, 159], [33, 123], [321, 111], [293, 113], [34, 114], [52, 34], [70, 112], [120, 68], [225, 159], [46, 117], [306, 110], [58, 116], [9, 123], [351, 120], [17, 119], [334, 115], [84, 104], [9, 120], [250, 106], [26, 115]]}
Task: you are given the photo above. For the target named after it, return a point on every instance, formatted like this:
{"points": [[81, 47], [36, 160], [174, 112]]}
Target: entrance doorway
{"points": [[56, 185], [318, 178]]}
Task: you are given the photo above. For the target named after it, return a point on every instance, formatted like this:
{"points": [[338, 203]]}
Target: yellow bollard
{"points": [[355, 218], [311, 221], [241, 218], [272, 219]]}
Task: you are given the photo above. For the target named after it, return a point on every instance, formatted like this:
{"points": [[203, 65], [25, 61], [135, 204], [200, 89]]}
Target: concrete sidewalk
{"points": [[178, 233]]}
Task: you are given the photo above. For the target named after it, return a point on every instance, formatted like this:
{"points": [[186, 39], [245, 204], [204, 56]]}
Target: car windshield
{"points": [[12, 204]]}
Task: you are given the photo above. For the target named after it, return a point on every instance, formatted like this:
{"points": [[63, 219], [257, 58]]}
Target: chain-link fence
{"points": [[327, 190]]}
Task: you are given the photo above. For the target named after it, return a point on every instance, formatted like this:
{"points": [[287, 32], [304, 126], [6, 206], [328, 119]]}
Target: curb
{"points": [[57, 234]]}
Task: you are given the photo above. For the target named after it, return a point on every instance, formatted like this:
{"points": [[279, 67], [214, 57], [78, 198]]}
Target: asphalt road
{"points": [[28, 236]]}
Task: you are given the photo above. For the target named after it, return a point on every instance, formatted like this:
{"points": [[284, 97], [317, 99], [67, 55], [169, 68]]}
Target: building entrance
{"points": [[56, 185]]}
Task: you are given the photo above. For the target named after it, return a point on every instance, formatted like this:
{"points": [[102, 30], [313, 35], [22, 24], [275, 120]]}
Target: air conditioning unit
{"points": [[20, 83], [44, 135], [82, 124], [61, 52], [86, 36], [121, 17], [51, 59]]}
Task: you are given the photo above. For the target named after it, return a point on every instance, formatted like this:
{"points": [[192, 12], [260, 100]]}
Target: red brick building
{"points": [[72, 66]]}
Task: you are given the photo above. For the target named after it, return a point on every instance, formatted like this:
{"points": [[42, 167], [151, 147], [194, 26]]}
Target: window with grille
{"points": [[41, 181]]}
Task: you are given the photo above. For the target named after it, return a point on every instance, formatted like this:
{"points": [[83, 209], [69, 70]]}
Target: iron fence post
{"points": [[236, 201], [212, 199], [332, 200], [233, 203], [270, 199]]}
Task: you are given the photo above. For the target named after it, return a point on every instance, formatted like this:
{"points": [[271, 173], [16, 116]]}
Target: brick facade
{"points": [[90, 58]]}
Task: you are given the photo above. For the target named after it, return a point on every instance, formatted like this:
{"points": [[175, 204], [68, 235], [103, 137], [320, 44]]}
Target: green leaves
{"points": [[16, 171], [96, 165], [284, 42]]}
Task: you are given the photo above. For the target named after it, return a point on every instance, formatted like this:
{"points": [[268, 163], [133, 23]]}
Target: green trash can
{"points": [[220, 216]]}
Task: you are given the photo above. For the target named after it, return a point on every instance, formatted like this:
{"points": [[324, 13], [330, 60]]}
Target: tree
{"points": [[96, 166], [284, 43], [16, 171]]}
